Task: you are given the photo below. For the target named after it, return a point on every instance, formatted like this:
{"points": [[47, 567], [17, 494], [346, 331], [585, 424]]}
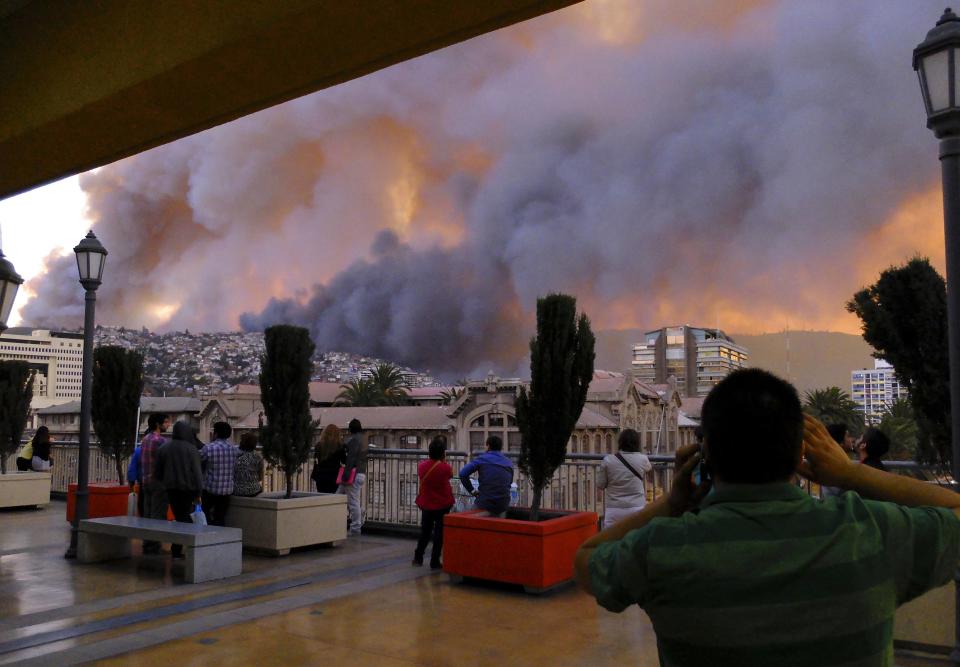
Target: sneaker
{"points": [[417, 561]]}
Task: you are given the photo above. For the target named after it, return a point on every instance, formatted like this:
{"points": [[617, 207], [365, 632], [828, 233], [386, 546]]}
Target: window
{"points": [[495, 419], [410, 441], [479, 422], [597, 444], [574, 444], [513, 441], [609, 443], [477, 441]]}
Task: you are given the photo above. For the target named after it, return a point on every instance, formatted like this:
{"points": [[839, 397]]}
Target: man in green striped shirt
{"points": [[756, 572]]}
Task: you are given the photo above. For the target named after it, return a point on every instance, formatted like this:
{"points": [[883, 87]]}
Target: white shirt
{"points": [[623, 488]]}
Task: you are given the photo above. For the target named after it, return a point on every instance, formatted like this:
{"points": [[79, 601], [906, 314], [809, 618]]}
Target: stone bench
{"points": [[211, 552]]}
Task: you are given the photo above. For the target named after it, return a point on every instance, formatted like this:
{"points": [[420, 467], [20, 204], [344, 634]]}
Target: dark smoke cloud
{"points": [[740, 163]]}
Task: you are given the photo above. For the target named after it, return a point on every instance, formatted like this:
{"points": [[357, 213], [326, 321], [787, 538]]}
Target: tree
{"points": [[358, 393], [832, 405], [901, 427], [117, 386], [390, 384], [904, 317], [285, 392], [16, 392], [561, 367], [452, 395]]}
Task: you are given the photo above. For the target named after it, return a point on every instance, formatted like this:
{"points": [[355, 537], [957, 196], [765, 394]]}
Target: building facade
{"points": [[56, 358], [874, 391], [698, 358], [64, 420]]}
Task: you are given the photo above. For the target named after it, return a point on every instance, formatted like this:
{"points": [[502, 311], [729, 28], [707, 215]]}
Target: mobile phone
{"points": [[702, 471]]}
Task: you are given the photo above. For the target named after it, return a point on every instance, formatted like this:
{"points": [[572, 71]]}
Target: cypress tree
{"points": [[115, 400], [287, 365], [561, 367], [16, 392]]}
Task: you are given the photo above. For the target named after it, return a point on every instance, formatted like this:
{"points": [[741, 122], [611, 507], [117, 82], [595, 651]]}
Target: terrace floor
{"points": [[360, 603]]}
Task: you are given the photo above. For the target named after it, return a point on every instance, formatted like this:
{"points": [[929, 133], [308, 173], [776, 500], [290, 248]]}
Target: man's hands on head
{"points": [[684, 493], [823, 460]]}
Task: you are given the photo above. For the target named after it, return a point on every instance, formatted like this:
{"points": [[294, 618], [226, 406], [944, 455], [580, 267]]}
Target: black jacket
{"points": [[178, 461]]}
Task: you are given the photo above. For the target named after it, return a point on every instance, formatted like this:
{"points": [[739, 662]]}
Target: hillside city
{"points": [[185, 363]]}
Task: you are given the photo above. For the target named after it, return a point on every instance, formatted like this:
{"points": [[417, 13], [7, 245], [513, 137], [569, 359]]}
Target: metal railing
{"points": [[390, 491]]}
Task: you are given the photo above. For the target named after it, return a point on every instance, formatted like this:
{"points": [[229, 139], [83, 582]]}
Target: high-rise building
{"points": [[874, 391], [698, 358], [55, 356]]}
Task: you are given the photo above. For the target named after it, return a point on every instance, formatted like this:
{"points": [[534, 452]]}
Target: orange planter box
{"points": [[104, 500], [537, 555]]}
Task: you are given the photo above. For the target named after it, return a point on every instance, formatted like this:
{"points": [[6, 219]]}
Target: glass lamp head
{"points": [[91, 257], [937, 63]]}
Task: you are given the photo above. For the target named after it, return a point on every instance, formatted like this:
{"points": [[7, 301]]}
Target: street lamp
{"points": [[91, 256], [10, 282], [937, 62]]}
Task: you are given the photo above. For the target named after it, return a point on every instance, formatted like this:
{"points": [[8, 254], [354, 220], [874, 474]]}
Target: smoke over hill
{"points": [[750, 162]]}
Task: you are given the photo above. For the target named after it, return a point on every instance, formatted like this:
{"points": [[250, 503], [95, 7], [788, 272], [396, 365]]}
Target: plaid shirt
{"points": [[218, 458], [148, 456]]}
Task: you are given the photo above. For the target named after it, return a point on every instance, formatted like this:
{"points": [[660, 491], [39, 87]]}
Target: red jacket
{"points": [[435, 492]]}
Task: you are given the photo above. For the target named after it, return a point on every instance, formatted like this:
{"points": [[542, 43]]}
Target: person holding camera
{"points": [[755, 570]]}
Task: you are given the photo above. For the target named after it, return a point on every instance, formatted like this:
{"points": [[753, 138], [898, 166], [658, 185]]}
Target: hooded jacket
{"points": [[178, 461]]}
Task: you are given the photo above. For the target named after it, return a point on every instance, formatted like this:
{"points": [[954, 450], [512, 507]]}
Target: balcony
{"points": [[360, 601]]}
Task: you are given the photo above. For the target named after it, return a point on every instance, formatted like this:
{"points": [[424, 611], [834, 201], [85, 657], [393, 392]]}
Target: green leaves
{"points": [[287, 365], [116, 390], [834, 406], [385, 386], [904, 318], [561, 368], [16, 392]]}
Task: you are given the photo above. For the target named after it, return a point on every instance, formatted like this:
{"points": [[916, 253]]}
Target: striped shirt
{"points": [[766, 575]]}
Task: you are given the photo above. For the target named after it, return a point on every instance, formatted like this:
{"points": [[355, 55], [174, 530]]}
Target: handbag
{"points": [[343, 478]]}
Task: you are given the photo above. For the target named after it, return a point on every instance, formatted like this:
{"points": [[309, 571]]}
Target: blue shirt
{"points": [[496, 474], [133, 470]]}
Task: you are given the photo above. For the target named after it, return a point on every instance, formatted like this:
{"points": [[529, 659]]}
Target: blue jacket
{"points": [[133, 470], [496, 474]]}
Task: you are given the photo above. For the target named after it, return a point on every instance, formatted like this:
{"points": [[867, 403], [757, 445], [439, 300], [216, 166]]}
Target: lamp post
{"points": [[91, 256], [937, 62], [10, 282]]}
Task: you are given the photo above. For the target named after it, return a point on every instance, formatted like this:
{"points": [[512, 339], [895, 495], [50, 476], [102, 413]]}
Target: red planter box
{"points": [[537, 555], [104, 500]]}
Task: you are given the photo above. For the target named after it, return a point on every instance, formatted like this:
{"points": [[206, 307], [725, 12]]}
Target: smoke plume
{"points": [[745, 164]]}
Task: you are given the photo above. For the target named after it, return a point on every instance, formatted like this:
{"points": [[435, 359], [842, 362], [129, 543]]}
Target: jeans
{"points": [[181, 502], [154, 507], [431, 525], [215, 507], [354, 509]]}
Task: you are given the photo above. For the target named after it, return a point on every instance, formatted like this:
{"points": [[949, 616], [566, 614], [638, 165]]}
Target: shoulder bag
{"points": [[629, 467]]}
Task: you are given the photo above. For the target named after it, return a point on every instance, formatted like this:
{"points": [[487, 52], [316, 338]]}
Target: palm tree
{"points": [[390, 384], [451, 395], [833, 405], [900, 425], [359, 392]]}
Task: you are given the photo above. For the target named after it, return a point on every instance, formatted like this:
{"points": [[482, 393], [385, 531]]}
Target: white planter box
{"points": [[275, 524], [929, 619], [21, 489]]}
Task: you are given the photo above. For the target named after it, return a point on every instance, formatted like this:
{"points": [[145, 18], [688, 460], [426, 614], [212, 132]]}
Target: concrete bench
{"points": [[212, 552]]}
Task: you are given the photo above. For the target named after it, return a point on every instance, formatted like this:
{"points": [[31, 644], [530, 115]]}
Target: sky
{"points": [[743, 164]]}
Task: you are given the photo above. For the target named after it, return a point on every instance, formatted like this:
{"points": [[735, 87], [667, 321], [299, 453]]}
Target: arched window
{"points": [[574, 444], [609, 443], [479, 422], [597, 444]]}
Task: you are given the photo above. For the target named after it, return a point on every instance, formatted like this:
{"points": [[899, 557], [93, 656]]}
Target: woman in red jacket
{"points": [[435, 498]]}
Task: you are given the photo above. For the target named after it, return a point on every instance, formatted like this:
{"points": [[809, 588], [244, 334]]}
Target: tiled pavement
{"points": [[361, 602]]}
